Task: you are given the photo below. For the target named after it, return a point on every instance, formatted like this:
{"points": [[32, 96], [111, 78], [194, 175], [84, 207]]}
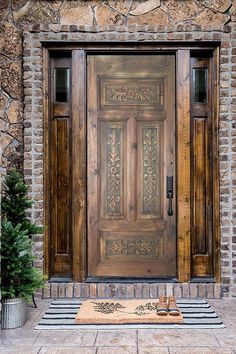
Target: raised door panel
{"points": [[112, 198], [149, 184], [60, 227]]}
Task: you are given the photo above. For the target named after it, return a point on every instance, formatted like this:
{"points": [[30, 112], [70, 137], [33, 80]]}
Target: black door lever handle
{"points": [[169, 187]]}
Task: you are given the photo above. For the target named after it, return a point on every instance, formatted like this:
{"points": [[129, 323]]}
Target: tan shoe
{"points": [[172, 306], [162, 309]]}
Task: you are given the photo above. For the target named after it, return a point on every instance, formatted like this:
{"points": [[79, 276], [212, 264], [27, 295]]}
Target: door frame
{"points": [[182, 52]]}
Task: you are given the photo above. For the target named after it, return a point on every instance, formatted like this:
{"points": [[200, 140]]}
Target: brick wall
{"points": [[131, 290], [129, 20]]}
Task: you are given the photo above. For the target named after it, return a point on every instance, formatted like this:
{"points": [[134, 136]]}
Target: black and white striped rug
{"points": [[197, 314]]}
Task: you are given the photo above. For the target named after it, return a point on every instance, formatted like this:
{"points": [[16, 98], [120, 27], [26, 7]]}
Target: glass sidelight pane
{"points": [[62, 84], [200, 84]]}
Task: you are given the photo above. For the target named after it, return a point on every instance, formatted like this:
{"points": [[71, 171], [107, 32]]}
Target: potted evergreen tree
{"points": [[19, 279]]}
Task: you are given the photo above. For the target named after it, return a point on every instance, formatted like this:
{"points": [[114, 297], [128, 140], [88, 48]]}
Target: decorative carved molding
{"points": [[132, 247], [132, 91], [113, 171], [131, 94], [150, 168]]}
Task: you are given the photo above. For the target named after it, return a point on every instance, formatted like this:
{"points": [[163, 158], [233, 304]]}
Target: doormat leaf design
{"points": [[197, 314], [106, 307], [132, 311]]}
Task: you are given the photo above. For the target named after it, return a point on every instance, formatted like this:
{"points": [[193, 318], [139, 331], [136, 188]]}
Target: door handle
{"points": [[169, 187]]}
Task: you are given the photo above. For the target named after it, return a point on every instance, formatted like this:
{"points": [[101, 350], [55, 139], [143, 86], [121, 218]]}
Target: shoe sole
{"points": [[162, 313], [174, 313]]}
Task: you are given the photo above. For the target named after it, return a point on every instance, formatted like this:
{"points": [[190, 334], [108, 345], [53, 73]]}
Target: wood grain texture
{"points": [[131, 150], [199, 187], [132, 138], [60, 178], [201, 175], [183, 153], [79, 164]]}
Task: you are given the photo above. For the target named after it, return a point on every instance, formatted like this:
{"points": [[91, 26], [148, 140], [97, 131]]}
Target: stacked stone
{"points": [[232, 186], [11, 94]]}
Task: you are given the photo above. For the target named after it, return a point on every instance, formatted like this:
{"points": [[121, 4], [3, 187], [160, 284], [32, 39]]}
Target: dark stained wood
{"points": [[79, 164], [60, 179], [78, 208], [201, 176], [199, 162], [134, 47], [131, 151], [183, 156], [63, 185], [61, 110]]}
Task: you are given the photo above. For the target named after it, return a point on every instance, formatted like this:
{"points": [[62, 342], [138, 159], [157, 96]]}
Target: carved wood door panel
{"points": [[131, 151]]}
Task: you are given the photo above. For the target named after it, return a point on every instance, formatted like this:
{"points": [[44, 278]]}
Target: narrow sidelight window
{"points": [[200, 79], [62, 79]]}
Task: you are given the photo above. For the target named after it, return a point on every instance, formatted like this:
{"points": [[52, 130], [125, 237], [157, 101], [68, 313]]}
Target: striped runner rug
{"points": [[196, 313]]}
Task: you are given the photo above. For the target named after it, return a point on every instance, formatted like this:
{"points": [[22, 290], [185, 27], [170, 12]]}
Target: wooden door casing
{"points": [[56, 129], [131, 151]]}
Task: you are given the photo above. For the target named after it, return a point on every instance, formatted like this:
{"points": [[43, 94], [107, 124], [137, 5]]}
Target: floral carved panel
{"points": [[138, 247], [132, 92], [113, 171], [150, 166]]}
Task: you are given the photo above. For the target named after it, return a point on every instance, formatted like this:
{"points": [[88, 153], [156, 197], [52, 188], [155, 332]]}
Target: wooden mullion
{"points": [[183, 156], [79, 164]]}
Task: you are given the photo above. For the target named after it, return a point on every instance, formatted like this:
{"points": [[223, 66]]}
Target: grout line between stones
{"points": [[36, 337], [215, 338], [137, 350], [95, 340]]}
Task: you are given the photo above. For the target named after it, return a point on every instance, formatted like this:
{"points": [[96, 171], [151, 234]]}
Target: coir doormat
{"points": [[196, 314], [123, 312]]}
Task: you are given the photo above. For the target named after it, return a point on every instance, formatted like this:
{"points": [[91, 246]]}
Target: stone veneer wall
{"points": [[111, 20]]}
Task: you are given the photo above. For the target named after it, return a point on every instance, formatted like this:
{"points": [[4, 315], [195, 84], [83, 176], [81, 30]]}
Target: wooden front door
{"points": [[131, 212]]}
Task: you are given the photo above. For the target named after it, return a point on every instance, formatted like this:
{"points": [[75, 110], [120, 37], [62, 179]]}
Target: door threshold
{"points": [[60, 280], [129, 280], [210, 280]]}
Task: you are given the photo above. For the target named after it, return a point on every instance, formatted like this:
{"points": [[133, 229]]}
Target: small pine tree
{"points": [[18, 276], [15, 202]]}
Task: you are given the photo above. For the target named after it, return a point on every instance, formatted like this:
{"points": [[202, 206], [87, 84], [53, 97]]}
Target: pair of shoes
{"points": [[167, 305]]}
